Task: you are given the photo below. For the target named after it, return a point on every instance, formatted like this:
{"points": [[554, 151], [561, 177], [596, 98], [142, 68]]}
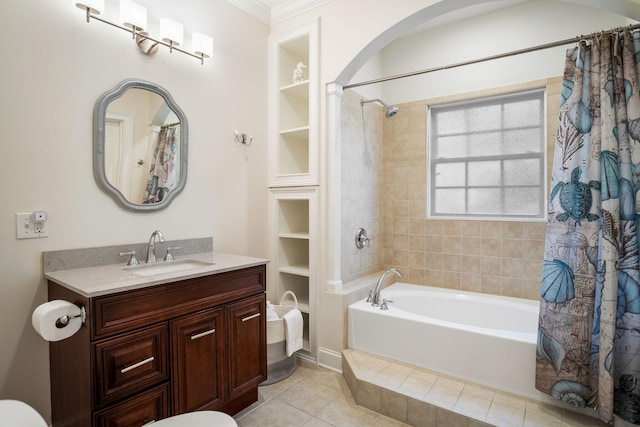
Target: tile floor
{"points": [[315, 397], [310, 397]]}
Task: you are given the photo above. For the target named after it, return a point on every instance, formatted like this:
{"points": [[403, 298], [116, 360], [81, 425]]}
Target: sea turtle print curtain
{"points": [[588, 351], [162, 174]]}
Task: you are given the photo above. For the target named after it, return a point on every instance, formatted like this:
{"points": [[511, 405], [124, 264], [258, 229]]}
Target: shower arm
{"points": [[362, 102]]}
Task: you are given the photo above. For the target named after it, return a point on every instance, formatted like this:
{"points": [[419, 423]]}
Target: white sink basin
{"points": [[163, 267]]}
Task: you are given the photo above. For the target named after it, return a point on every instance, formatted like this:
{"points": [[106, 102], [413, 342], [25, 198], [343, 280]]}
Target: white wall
{"points": [[546, 21], [54, 68]]}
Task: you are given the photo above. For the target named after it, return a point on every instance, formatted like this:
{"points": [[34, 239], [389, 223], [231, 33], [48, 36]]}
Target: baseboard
{"points": [[330, 359]]}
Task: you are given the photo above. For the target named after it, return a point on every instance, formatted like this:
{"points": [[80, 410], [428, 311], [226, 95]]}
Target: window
{"points": [[487, 157]]}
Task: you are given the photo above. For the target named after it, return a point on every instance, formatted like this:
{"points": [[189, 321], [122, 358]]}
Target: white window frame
{"points": [[542, 155]]}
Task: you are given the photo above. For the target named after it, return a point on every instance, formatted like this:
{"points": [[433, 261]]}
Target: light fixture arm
{"points": [[135, 34]]}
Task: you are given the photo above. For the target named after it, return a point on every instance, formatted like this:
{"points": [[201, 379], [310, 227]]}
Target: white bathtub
{"points": [[485, 339]]}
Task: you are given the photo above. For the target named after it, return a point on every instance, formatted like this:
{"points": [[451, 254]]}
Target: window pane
{"points": [[485, 144], [451, 147], [524, 113], [522, 201], [450, 175], [523, 141], [484, 117], [485, 174], [449, 121], [522, 172], [449, 201], [485, 201]]}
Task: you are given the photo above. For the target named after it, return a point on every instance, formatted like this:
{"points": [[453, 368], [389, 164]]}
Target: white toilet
{"points": [[16, 413]]}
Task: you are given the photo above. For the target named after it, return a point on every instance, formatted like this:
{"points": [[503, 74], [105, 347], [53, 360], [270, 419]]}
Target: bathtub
{"points": [[485, 339]]}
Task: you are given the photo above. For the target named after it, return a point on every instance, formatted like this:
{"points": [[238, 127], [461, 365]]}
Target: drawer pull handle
{"points": [[203, 334], [253, 316], [136, 365]]}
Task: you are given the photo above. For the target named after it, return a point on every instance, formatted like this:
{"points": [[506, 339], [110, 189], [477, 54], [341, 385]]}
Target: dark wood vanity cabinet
{"points": [[145, 354]]}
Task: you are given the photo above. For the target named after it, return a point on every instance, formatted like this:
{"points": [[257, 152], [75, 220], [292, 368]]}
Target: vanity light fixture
{"points": [[134, 20]]}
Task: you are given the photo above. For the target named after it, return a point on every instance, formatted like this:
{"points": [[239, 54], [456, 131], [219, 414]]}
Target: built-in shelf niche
{"points": [[293, 112], [293, 173]]}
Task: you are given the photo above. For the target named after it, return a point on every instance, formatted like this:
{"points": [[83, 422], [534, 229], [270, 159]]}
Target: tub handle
{"points": [[370, 297], [384, 305]]}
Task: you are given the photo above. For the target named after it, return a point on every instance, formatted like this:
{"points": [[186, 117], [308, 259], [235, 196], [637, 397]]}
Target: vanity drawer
{"points": [[130, 363], [134, 309], [151, 406]]}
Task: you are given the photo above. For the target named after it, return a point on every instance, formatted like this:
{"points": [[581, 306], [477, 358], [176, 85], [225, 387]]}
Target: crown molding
{"points": [[291, 8], [254, 8], [283, 11]]}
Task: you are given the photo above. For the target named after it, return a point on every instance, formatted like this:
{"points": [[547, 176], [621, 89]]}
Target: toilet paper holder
{"points": [[63, 321]]}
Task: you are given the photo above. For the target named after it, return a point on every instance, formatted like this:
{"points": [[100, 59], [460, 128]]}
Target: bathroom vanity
{"points": [[157, 343]]}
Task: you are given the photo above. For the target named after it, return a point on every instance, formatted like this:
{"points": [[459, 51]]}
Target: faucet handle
{"points": [[384, 305], [169, 255], [132, 260], [370, 297]]}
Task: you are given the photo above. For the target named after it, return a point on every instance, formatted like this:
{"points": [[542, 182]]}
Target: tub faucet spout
{"points": [[375, 299], [151, 249]]}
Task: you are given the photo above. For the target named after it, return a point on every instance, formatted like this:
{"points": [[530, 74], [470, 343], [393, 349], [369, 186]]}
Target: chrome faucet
{"points": [[375, 297], [151, 249]]}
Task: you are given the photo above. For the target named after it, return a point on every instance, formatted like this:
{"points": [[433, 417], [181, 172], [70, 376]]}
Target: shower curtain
{"points": [[162, 169], [588, 351]]}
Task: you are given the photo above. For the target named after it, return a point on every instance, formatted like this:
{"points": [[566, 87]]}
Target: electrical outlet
{"points": [[32, 225]]}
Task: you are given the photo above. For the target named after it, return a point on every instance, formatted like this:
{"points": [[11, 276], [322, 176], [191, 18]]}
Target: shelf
{"points": [[298, 270], [301, 132], [301, 236], [298, 90]]}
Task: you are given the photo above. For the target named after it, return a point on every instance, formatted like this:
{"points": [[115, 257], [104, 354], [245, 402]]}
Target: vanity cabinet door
{"points": [[197, 354], [247, 344]]}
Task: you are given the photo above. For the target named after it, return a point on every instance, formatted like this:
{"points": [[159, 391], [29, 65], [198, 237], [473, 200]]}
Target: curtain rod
{"points": [[492, 57]]}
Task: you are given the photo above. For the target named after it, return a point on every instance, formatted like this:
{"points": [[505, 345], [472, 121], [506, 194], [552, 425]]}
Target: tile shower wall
{"points": [[495, 257], [361, 186]]}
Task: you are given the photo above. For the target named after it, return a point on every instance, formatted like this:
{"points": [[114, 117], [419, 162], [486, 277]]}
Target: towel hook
{"points": [[243, 138]]}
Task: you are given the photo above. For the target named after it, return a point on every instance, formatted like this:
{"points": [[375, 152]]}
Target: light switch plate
{"points": [[28, 228]]}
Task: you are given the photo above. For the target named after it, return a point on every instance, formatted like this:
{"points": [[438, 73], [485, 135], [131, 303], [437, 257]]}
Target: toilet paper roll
{"points": [[44, 319]]}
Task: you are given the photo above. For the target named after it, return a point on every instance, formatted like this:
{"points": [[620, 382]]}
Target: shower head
{"points": [[391, 109]]}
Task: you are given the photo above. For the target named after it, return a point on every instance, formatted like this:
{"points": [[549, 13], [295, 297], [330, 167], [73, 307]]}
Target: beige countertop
{"points": [[108, 279]]}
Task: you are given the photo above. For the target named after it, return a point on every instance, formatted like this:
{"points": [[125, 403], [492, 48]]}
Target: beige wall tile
{"points": [[434, 243], [491, 246], [512, 230], [451, 262], [471, 245], [470, 264], [451, 244], [512, 248], [433, 227], [417, 242], [452, 228], [512, 267], [491, 266]]}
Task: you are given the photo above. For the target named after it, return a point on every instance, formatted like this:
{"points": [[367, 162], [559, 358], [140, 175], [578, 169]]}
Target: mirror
{"points": [[139, 146]]}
